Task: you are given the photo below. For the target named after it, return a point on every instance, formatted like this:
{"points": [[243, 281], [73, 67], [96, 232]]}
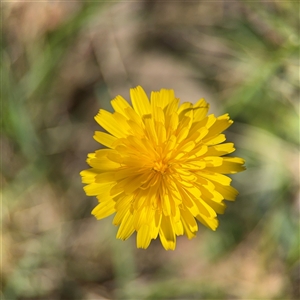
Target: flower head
{"points": [[162, 169]]}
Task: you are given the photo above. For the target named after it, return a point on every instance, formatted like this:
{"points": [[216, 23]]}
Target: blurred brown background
{"points": [[62, 61]]}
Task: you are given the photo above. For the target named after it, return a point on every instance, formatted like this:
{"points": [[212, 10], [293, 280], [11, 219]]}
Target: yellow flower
{"points": [[163, 167]]}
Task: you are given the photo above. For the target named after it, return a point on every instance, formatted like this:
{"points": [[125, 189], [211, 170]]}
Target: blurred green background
{"points": [[63, 61]]}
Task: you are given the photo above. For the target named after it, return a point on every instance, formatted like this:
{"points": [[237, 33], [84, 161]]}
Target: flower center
{"points": [[160, 166]]}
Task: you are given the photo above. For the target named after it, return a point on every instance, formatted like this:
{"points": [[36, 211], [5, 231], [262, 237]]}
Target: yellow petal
{"points": [[171, 142], [208, 192], [104, 209], [166, 204], [105, 139], [110, 124], [133, 116], [221, 124], [184, 108], [199, 133], [95, 189], [126, 228], [121, 207], [120, 105], [178, 227], [207, 122], [162, 98], [171, 124], [158, 115], [213, 161], [217, 207], [198, 204], [200, 110], [190, 234], [150, 130], [228, 192], [167, 234], [183, 129], [140, 101], [103, 164], [197, 152], [144, 214], [126, 172], [194, 165], [205, 209], [88, 176], [188, 219], [185, 149], [104, 177], [219, 150], [172, 107], [230, 165], [161, 133], [156, 224], [214, 140], [143, 237], [136, 129], [210, 223], [222, 179]]}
